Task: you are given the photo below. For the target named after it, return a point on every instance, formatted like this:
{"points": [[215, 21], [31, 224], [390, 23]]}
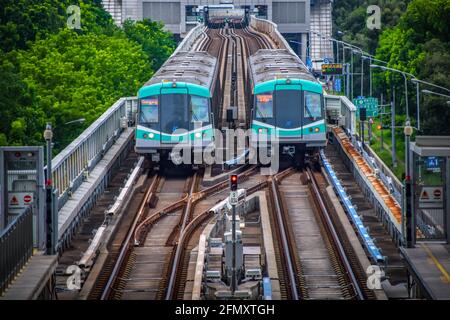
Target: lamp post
{"points": [[408, 130], [435, 93], [81, 120], [50, 246], [362, 71], [404, 74]]}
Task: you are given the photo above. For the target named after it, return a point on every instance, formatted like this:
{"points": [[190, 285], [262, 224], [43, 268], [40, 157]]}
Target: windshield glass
{"points": [[264, 106], [288, 108], [199, 109], [149, 110], [313, 106], [174, 112]]}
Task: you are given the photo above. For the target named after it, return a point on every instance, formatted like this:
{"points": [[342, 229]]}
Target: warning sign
{"points": [[13, 201], [431, 197], [19, 200]]}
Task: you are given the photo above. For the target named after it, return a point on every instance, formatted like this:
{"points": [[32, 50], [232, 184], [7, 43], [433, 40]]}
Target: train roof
{"points": [[195, 67], [270, 64]]}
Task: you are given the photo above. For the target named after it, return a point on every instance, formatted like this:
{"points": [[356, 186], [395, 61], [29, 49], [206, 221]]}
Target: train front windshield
{"points": [[174, 112], [285, 108], [169, 112], [313, 107], [288, 107]]}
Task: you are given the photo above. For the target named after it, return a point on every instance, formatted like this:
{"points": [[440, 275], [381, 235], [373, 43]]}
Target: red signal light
{"points": [[233, 182]]}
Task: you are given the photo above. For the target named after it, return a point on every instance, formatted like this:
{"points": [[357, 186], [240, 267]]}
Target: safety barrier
{"points": [[270, 29], [385, 216], [189, 40], [385, 174], [72, 165], [16, 247], [351, 211]]}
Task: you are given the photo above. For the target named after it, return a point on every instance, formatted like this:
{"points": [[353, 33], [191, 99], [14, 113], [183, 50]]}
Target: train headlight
{"points": [[151, 135], [145, 136], [316, 129], [198, 134], [262, 130]]}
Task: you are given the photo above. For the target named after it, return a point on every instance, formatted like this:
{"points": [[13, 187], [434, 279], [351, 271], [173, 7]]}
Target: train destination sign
{"points": [[332, 69]]}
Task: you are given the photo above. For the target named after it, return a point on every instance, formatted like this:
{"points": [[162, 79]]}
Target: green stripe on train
{"points": [[167, 88], [207, 135], [280, 84], [290, 133]]}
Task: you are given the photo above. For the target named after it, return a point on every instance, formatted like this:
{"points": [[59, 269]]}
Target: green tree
{"points": [[157, 44]]}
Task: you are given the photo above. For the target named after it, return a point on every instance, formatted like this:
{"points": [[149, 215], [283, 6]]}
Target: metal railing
{"points": [[16, 247], [75, 162], [190, 39]]}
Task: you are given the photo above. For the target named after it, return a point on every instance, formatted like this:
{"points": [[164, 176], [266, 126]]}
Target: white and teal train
{"points": [[177, 105], [288, 104]]}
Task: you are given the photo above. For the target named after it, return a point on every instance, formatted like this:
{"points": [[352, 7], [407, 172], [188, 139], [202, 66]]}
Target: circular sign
{"points": [[437, 193], [27, 198]]}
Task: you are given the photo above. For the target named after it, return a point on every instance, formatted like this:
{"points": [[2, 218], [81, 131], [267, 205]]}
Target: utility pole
{"points": [[394, 148]]}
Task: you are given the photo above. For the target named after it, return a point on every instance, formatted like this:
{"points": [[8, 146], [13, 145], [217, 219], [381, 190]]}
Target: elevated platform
{"points": [[429, 265], [32, 280]]}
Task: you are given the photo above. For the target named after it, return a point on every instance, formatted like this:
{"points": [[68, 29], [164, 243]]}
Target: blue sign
{"points": [[327, 60], [309, 63], [337, 84], [432, 164]]}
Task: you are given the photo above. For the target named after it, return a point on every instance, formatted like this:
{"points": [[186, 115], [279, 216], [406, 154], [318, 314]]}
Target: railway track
{"points": [[80, 242], [313, 259], [147, 265]]}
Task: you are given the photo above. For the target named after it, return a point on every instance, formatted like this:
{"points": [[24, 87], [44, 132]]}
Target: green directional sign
{"points": [[371, 105]]}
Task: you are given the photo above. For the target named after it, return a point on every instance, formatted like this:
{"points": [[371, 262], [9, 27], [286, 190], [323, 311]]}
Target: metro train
{"points": [[178, 105], [288, 105]]}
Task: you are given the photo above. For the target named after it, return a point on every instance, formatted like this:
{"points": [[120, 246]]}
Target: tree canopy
{"points": [[51, 73], [414, 38]]}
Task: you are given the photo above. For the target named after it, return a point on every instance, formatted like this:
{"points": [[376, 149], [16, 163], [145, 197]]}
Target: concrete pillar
{"points": [[304, 41]]}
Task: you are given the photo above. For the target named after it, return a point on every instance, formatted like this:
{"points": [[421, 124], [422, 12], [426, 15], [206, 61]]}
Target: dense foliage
{"points": [[414, 37], [53, 73]]}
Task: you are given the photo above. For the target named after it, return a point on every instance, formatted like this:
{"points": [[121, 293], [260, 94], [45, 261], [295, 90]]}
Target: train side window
{"points": [[149, 110], [199, 109], [313, 105], [264, 106]]}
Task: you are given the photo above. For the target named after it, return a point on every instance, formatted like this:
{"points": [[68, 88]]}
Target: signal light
{"points": [[233, 182], [379, 127]]}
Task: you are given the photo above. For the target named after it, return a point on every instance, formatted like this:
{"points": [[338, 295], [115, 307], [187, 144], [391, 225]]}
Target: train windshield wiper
{"points": [[309, 111], [261, 115]]}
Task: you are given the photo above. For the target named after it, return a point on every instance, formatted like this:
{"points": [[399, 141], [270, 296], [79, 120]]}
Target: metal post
{"points": [[50, 245], [362, 76], [352, 83], [406, 96], [233, 231], [409, 225], [370, 77], [394, 148], [362, 135], [347, 85], [382, 138], [418, 105]]}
